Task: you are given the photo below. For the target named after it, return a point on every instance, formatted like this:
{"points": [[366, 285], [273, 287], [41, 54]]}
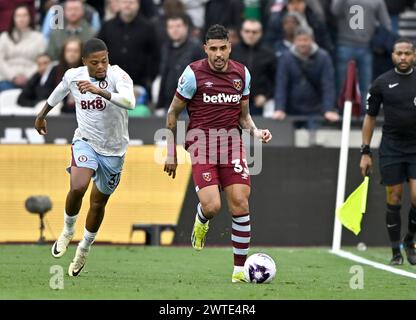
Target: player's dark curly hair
{"points": [[216, 31], [93, 45]]}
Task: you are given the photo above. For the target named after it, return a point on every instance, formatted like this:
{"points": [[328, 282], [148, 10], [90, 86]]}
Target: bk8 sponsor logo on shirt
{"points": [[95, 104]]}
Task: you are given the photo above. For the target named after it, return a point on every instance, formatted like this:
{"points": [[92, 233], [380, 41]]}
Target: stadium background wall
{"points": [[292, 201], [145, 194], [141, 130]]}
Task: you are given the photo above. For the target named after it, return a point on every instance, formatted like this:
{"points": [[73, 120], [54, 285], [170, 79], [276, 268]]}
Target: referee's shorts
{"points": [[397, 161]]}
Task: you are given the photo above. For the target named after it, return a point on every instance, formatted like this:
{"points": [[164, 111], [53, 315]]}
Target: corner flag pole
{"points": [[343, 155]]}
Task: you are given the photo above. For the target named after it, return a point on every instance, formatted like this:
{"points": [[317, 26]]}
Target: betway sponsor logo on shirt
{"points": [[222, 98]]}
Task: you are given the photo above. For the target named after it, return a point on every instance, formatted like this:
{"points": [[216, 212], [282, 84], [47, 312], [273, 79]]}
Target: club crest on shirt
{"points": [[207, 176], [82, 158], [103, 84], [238, 84]]}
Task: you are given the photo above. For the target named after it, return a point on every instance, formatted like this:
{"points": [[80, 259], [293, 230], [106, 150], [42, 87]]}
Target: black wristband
{"points": [[365, 149]]}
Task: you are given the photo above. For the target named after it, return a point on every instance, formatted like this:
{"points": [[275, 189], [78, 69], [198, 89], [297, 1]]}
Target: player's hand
{"points": [[85, 86], [331, 116], [40, 125], [263, 135], [170, 166], [366, 165], [279, 115]]}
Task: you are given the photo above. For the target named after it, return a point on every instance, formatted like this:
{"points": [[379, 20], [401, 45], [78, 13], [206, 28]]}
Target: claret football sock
{"points": [[241, 239]]}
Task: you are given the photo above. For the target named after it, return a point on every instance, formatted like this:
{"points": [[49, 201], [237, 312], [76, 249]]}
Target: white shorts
{"points": [[107, 168]]}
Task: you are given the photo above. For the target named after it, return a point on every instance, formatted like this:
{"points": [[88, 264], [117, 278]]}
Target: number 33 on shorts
{"points": [[240, 166], [114, 180]]}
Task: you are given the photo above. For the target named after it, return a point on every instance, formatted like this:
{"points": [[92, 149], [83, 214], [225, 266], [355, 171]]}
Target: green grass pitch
{"points": [[135, 272]]}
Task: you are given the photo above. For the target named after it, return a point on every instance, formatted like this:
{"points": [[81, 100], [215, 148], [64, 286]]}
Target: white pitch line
{"points": [[353, 257]]}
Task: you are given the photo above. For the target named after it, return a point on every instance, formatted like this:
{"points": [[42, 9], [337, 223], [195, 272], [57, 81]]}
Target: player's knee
{"points": [[78, 190], [211, 208], [394, 197], [97, 205], [239, 204]]}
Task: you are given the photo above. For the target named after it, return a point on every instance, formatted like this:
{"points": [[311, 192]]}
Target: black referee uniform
{"points": [[396, 93]]}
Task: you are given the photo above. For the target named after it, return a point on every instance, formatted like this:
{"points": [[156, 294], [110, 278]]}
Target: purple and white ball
{"points": [[259, 268]]}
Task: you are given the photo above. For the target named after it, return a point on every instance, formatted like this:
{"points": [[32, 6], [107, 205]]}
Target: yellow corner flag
{"points": [[350, 213]]}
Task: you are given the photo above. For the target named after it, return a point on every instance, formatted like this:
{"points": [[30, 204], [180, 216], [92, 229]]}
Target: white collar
{"points": [[403, 73]]}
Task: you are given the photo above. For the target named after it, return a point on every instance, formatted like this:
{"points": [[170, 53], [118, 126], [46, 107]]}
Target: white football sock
{"points": [[69, 223], [87, 241], [238, 269], [200, 215]]}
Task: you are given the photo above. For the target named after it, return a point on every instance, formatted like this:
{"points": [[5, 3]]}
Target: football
{"points": [[259, 268]]}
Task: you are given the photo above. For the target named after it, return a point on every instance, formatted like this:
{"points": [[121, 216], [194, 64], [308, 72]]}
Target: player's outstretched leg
{"points": [[80, 178], [95, 216], [209, 206], [408, 241], [241, 241], [237, 199]]}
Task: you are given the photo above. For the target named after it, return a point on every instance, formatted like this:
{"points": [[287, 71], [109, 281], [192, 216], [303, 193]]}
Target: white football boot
{"points": [[60, 245], [78, 263]]}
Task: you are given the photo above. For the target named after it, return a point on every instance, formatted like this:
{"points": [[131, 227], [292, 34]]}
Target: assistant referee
{"points": [[395, 90]]}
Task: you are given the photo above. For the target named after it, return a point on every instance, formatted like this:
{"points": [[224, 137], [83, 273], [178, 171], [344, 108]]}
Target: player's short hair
{"points": [[303, 30], [217, 32], [404, 40], [93, 45]]}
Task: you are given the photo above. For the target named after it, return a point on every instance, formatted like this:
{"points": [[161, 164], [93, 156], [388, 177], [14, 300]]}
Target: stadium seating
{"points": [[152, 231], [9, 106]]}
